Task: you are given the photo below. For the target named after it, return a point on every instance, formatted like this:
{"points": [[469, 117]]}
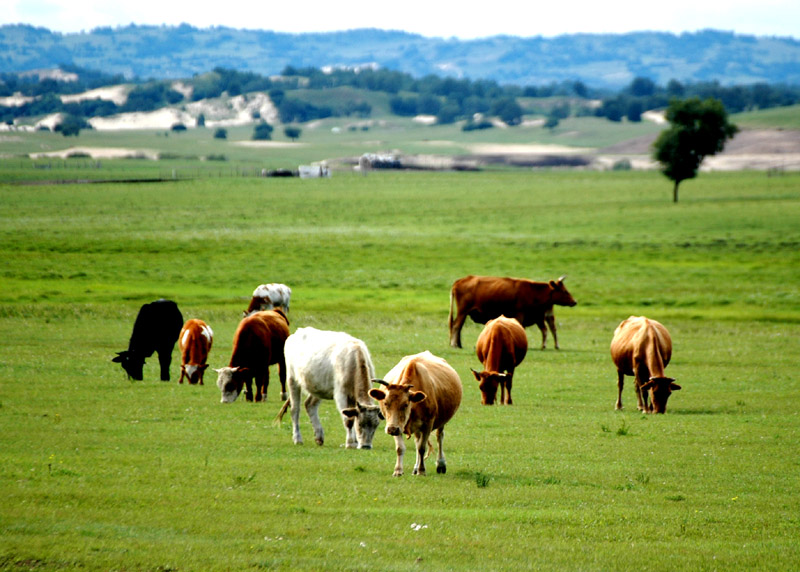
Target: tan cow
{"points": [[483, 298], [501, 347], [194, 342], [642, 348], [422, 394]]}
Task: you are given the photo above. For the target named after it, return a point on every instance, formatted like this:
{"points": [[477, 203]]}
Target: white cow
{"points": [[269, 297], [331, 365]]}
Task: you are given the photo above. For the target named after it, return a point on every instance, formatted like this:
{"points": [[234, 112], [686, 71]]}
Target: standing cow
{"points": [[156, 329], [194, 343], [501, 347], [269, 297], [422, 393], [331, 365], [642, 348], [257, 344], [485, 297]]}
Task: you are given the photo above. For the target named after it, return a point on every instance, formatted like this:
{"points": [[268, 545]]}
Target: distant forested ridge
{"points": [[602, 61]]}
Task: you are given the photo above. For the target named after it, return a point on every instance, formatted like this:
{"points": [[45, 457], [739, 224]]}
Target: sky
{"points": [[432, 18]]}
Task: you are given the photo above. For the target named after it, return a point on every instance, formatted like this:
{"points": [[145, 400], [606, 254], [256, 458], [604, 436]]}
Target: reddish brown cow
{"points": [[257, 344], [501, 347], [642, 348], [483, 298], [194, 342], [422, 394]]}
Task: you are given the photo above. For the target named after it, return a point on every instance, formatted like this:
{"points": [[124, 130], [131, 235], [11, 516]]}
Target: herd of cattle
{"points": [[417, 396]]}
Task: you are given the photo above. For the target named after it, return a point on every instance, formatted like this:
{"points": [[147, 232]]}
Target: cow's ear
{"points": [[648, 385], [203, 367], [117, 359], [219, 370], [674, 386], [476, 374], [378, 394], [416, 396], [553, 284], [350, 412]]}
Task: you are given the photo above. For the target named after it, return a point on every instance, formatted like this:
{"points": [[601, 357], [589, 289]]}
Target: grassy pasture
{"points": [[101, 473]]}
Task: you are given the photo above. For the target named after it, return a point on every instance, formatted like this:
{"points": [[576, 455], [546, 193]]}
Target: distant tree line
{"points": [[447, 99], [643, 94]]}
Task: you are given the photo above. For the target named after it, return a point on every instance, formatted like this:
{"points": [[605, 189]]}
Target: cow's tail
{"points": [[279, 416]]}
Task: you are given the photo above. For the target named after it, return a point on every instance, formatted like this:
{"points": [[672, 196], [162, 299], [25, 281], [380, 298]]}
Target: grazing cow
{"points": [[485, 297], [257, 344], [642, 348], [331, 365], [422, 393], [195, 343], [501, 347], [269, 297], [156, 329]]}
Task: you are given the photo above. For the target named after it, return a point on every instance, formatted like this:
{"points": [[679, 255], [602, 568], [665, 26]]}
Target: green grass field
{"points": [[100, 473]]}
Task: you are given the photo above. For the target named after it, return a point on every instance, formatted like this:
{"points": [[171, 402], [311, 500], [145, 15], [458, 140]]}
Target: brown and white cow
{"points": [[501, 347], [422, 393], [194, 343], [269, 297], [257, 344], [642, 348], [483, 298]]}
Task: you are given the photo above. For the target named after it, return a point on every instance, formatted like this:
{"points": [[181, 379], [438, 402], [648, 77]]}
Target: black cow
{"points": [[156, 330]]}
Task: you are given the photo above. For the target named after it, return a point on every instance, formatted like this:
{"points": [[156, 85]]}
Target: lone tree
{"points": [[697, 129], [292, 132]]}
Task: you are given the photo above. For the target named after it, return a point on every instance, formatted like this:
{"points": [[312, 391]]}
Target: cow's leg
{"points": [[507, 387], [312, 408], [421, 441], [455, 330], [295, 403], [282, 377], [164, 358], [543, 329], [400, 447], [248, 388], [262, 382], [642, 377], [620, 385], [183, 373], [441, 466], [351, 441], [551, 323]]}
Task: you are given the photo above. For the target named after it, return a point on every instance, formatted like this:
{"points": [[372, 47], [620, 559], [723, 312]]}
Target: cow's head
{"points": [[559, 293], [194, 372], [367, 419], [395, 403], [488, 382], [230, 381], [660, 389], [132, 363], [258, 304]]}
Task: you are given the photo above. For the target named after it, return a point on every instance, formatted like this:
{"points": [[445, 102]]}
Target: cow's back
{"points": [[434, 377], [486, 297], [157, 325], [321, 359], [502, 342], [260, 339], [636, 339]]}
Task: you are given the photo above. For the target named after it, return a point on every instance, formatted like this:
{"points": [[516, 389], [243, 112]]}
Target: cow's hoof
{"points": [[441, 469], [397, 474], [320, 441], [284, 396]]}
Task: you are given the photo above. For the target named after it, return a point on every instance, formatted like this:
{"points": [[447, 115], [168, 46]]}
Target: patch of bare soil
{"points": [[758, 149]]}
